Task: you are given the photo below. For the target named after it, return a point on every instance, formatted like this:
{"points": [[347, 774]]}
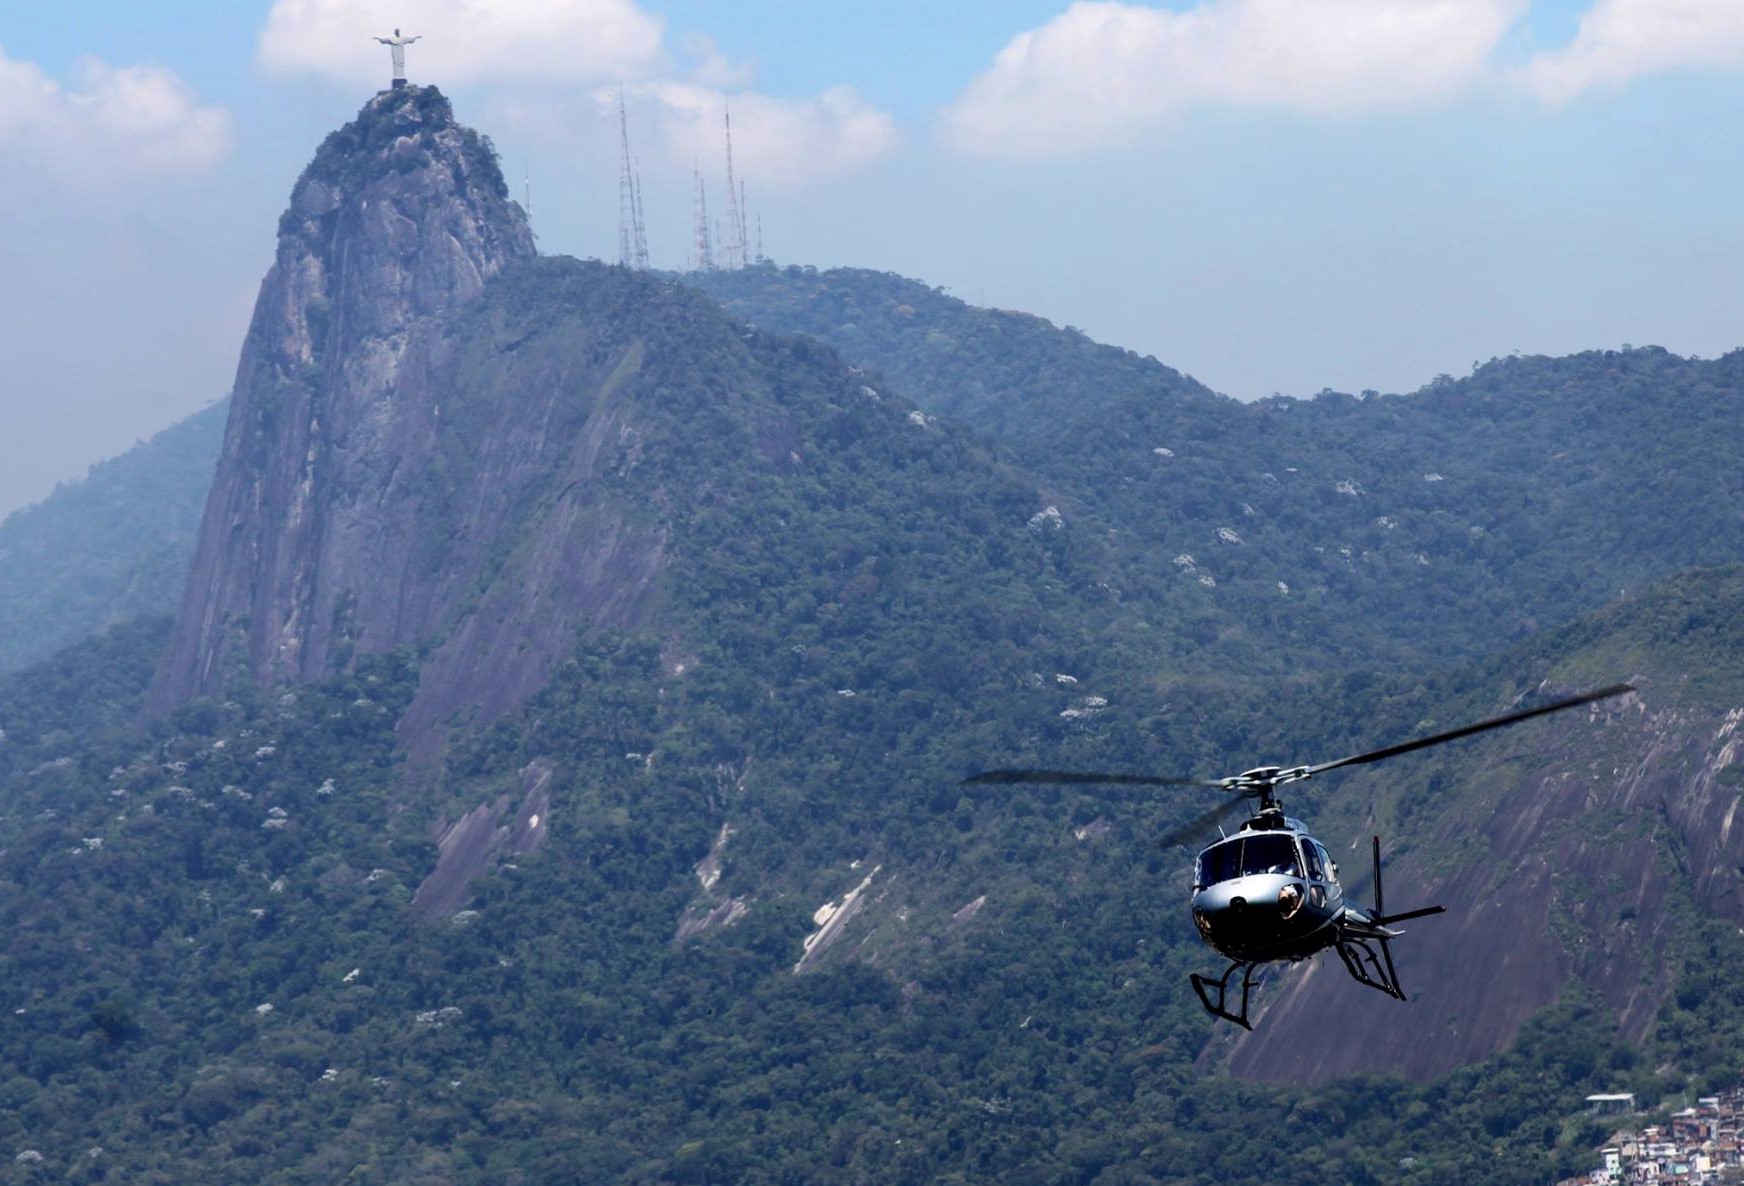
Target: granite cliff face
{"points": [[337, 522], [397, 223]]}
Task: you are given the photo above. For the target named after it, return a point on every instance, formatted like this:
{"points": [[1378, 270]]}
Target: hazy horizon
{"points": [[1271, 197]]}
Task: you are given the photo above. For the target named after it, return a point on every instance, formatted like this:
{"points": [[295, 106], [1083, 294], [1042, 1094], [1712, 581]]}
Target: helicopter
{"points": [[1269, 891]]}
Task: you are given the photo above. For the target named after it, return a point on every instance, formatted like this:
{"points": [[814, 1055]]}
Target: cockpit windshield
{"points": [[1270, 854], [1218, 863], [1246, 855]]}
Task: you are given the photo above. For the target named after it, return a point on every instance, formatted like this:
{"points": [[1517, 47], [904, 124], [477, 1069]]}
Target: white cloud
{"points": [[711, 67], [776, 142], [1103, 73], [114, 123], [538, 47], [1619, 40], [464, 40]]}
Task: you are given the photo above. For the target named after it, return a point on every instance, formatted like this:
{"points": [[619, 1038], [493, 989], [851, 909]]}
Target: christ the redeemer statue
{"points": [[397, 47]]}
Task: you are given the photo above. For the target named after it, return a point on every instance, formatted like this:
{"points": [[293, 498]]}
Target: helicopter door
{"points": [[1319, 866]]}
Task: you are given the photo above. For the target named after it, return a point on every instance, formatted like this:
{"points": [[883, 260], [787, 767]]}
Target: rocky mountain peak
{"points": [[396, 224], [402, 214], [407, 213]]}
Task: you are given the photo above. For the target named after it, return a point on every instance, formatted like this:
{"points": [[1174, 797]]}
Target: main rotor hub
{"points": [[1259, 775], [1261, 781]]}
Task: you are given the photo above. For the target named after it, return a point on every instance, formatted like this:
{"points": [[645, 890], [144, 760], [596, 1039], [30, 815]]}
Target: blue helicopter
{"points": [[1269, 891]]}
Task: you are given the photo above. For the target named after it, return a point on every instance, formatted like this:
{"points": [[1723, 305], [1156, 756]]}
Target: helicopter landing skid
{"points": [[1366, 966], [1204, 984]]}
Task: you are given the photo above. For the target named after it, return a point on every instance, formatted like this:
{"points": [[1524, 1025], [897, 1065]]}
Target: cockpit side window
{"points": [[1270, 854], [1311, 861]]}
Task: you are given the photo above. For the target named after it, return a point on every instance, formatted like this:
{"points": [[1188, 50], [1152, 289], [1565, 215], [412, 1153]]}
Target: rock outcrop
{"points": [[468, 847], [303, 555]]}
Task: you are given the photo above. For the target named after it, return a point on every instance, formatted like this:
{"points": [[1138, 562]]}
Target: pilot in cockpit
{"points": [[1245, 856]]}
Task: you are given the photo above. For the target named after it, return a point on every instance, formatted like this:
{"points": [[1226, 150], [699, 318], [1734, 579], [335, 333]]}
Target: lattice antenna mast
{"points": [[733, 242], [761, 258], [626, 185], [705, 252], [640, 245]]}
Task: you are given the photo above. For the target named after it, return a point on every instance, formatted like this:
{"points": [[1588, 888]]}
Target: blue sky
{"points": [[1273, 195]]}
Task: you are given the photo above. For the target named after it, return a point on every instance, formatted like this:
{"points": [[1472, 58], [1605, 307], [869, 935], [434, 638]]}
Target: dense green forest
{"points": [[1008, 373], [213, 969], [1340, 531]]}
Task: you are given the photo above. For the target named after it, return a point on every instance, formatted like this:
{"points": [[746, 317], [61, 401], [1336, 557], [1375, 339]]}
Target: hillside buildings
{"points": [[1699, 1146]]}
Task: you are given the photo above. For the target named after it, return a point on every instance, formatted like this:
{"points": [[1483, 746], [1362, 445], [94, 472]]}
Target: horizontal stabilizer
{"points": [[1382, 920]]}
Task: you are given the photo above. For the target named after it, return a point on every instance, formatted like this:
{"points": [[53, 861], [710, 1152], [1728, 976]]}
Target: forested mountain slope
{"points": [[1008, 373], [108, 547], [1418, 527], [1334, 532], [492, 459], [218, 963], [1341, 531]]}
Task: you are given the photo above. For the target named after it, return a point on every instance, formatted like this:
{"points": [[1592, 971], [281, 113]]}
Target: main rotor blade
{"points": [[1195, 828], [1066, 777], [1495, 723]]}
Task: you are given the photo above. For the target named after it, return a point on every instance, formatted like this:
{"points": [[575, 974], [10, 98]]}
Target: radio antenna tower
{"points": [[761, 258], [640, 243], [733, 242], [705, 253], [626, 186]]}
